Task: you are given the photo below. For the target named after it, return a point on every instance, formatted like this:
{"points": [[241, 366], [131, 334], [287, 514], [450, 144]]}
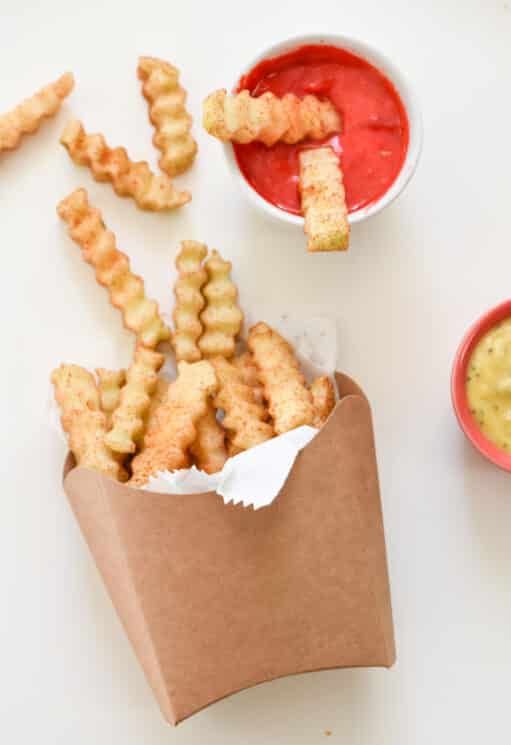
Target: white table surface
{"points": [[414, 279]]}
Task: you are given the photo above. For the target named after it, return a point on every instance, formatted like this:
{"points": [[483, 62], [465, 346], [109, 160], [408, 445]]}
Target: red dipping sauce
{"points": [[374, 140]]}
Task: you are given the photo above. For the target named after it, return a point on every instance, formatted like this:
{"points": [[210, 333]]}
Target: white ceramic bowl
{"points": [[380, 61]]}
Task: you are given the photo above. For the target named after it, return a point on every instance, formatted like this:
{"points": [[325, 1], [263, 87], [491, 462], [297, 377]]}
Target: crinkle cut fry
{"points": [[189, 300], [244, 420], [208, 449], [128, 420], [221, 317], [323, 200], [112, 267], [82, 419], [158, 397], [248, 369], [110, 383], [28, 115], [285, 389], [129, 179], [268, 119], [174, 426], [168, 114], [323, 399]]}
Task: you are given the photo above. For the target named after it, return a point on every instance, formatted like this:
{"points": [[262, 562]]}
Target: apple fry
{"points": [[82, 419], [126, 289], [222, 317], [289, 399], [244, 118], [174, 427], [189, 300], [209, 449], [323, 399], [28, 115], [167, 112], [128, 418], [323, 200], [110, 383], [248, 369], [128, 179], [245, 420]]}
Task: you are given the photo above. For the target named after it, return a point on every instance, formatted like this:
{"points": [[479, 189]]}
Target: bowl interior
{"points": [[459, 391], [378, 60]]}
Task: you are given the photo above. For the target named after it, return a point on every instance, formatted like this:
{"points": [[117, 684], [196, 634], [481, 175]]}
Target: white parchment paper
{"points": [[255, 477]]}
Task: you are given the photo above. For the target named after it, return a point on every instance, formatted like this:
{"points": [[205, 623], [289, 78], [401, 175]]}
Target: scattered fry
{"points": [[244, 118], [168, 114], [245, 420], [29, 114], [289, 399], [112, 267], [78, 397], [110, 383], [174, 427], [323, 200], [189, 300], [209, 449], [222, 317], [323, 399], [128, 418], [136, 180], [248, 369]]}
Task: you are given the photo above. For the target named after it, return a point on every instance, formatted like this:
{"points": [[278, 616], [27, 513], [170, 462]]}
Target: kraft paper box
{"points": [[216, 598]]}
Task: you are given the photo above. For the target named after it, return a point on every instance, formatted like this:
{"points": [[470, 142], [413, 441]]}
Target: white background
{"points": [[414, 279]]}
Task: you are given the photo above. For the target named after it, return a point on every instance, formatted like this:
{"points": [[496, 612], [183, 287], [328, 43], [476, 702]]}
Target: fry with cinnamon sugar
{"points": [[167, 112], [110, 383], [222, 317], [128, 179], [189, 300], [289, 399], [112, 267], [323, 399], [28, 115], [323, 200], [244, 118], [82, 419], [208, 450], [174, 427], [128, 418], [244, 420]]}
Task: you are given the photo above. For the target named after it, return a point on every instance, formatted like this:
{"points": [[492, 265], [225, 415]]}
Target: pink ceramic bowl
{"points": [[458, 389]]}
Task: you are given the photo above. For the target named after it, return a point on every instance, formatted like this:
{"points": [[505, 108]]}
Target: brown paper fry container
{"points": [[218, 598]]}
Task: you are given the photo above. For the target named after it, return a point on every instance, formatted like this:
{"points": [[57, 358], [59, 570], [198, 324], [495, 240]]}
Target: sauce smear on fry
{"points": [[374, 140]]}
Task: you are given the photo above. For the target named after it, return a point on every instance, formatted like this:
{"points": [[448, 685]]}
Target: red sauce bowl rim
{"points": [[459, 391]]}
